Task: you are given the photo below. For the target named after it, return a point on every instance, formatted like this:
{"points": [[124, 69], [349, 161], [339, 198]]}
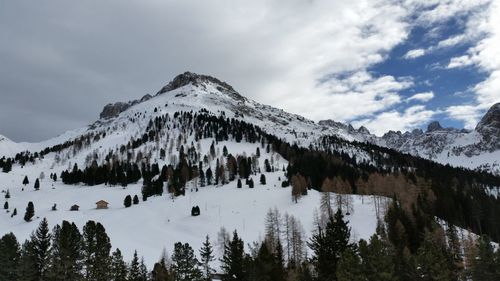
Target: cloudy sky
{"points": [[384, 64]]}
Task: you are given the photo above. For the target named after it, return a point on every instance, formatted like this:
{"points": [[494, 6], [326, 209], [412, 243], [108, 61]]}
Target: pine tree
{"points": [[6, 205], [9, 257], [185, 264], [128, 201], [30, 212], [66, 255], [7, 194], [160, 270], [377, 259], [26, 269], [40, 242], [349, 266], [238, 185], [118, 267], [135, 200], [206, 255], [37, 184], [328, 245], [431, 261], [25, 180], [233, 260], [134, 273], [262, 179], [14, 213], [143, 270]]}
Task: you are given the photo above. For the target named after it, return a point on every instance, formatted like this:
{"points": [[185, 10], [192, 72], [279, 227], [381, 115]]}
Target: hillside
{"points": [[191, 143]]}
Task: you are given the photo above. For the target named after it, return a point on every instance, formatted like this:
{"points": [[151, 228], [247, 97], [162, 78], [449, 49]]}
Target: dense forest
{"points": [[66, 253]]}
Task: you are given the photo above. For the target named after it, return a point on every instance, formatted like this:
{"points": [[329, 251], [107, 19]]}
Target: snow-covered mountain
{"points": [[476, 149], [163, 220]]}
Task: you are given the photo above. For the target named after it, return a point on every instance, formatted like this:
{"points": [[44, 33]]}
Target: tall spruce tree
{"points": [[40, 243], [26, 180], [349, 267], [134, 273], [66, 255], [233, 260], [328, 245], [119, 268], [206, 255]]}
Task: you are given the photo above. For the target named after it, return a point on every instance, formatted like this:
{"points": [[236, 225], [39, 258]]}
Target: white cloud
{"points": [[412, 54], [451, 41], [423, 97], [411, 118], [459, 62]]}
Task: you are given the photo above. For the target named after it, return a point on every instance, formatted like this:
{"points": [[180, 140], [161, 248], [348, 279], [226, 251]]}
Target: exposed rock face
{"points": [[434, 126], [489, 126], [194, 79], [113, 109]]}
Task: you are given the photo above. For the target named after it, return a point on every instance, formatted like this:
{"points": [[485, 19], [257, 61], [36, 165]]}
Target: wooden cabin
{"points": [[101, 204], [74, 208]]}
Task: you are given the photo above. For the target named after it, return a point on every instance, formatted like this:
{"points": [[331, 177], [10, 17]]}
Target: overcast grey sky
{"points": [[62, 61]]}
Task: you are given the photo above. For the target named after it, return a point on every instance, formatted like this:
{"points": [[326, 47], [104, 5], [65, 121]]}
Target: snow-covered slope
{"points": [[162, 221]]}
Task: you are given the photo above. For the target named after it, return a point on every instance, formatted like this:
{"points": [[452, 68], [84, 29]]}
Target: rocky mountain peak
{"points": [[434, 126], [490, 121]]}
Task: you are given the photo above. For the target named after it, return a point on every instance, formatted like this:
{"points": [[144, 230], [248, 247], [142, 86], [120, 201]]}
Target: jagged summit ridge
{"points": [[187, 78]]}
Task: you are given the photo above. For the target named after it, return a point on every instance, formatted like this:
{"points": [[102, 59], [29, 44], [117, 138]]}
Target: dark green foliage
{"points": [[9, 256], [37, 184], [7, 194], [134, 273], [206, 256], [432, 262], [262, 179], [135, 200], [486, 265], [66, 256], [118, 267], [328, 245], [26, 269], [160, 270], [30, 211], [96, 252], [238, 185], [349, 267], [232, 263], [377, 259], [40, 245], [185, 263], [128, 201], [26, 180], [6, 205]]}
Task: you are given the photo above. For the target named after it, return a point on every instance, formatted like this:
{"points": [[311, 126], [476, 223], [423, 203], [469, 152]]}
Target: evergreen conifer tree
{"points": [[118, 267], [40, 242], [128, 201], [26, 269], [37, 184], [6, 205], [135, 200], [66, 255], [206, 255], [185, 263], [30, 212], [134, 273], [262, 179], [233, 260], [238, 184], [26, 180], [328, 245], [9, 257]]}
